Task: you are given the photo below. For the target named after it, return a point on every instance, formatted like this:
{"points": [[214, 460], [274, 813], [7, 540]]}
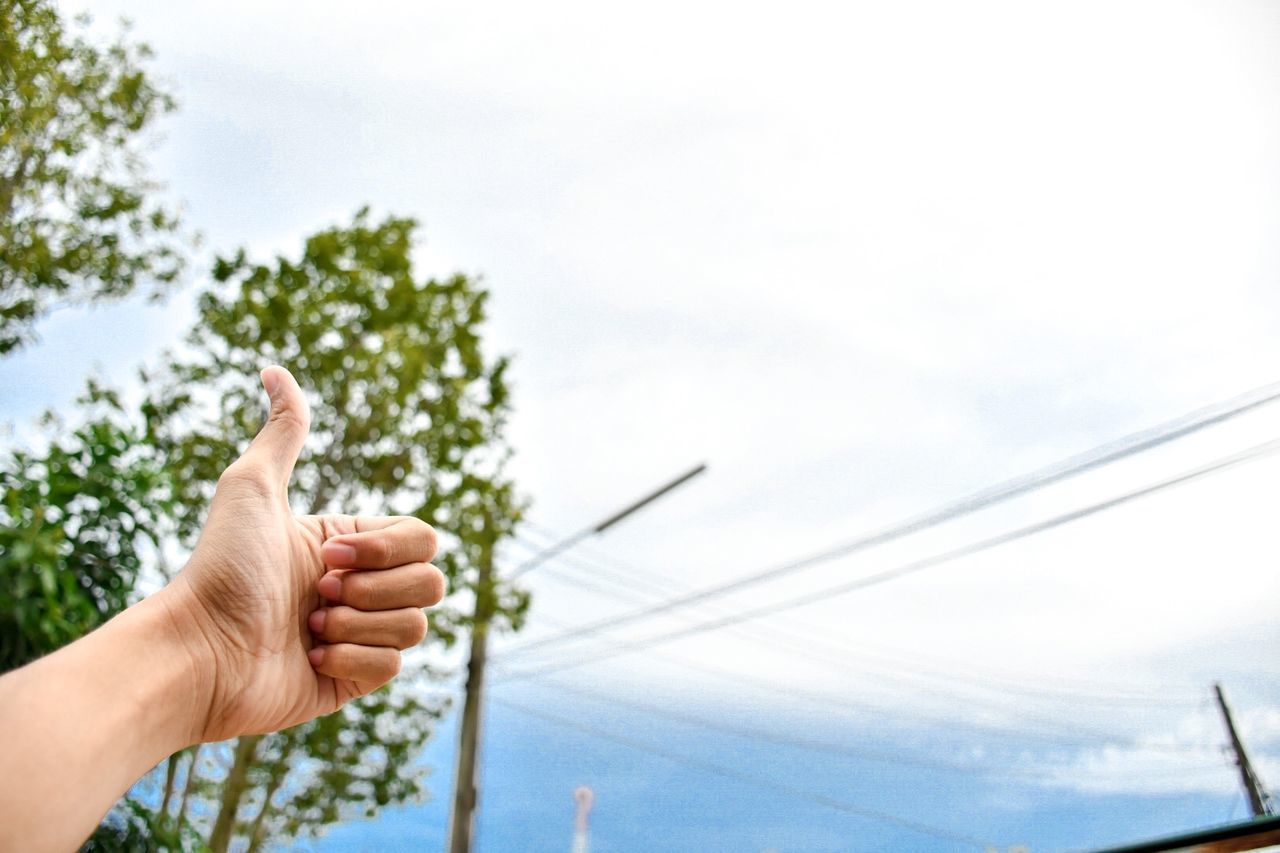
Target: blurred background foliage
{"points": [[79, 216], [78, 520], [408, 418]]}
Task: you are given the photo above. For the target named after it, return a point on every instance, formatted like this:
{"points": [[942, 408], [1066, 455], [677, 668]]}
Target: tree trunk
{"points": [[232, 791], [465, 786], [259, 821], [170, 772], [188, 785]]}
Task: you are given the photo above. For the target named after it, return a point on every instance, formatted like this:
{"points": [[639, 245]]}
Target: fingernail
{"points": [[316, 656], [338, 554], [330, 586], [316, 621], [270, 381]]}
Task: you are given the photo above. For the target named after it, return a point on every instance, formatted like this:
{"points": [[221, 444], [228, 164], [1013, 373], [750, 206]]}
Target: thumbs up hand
{"points": [[293, 616]]}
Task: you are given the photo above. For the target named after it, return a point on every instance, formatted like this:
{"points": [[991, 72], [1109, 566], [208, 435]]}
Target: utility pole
{"points": [[465, 789], [462, 818], [1252, 787], [596, 529]]}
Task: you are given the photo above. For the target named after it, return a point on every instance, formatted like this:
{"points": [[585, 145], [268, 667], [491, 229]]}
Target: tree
{"points": [[131, 828], [78, 521], [78, 219], [408, 418]]}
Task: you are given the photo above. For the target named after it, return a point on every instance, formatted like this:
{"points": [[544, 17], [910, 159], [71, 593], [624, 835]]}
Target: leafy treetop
{"points": [[78, 222], [408, 418]]}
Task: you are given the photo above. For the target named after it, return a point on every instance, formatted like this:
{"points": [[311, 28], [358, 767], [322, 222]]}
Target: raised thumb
{"points": [[277, 446]]}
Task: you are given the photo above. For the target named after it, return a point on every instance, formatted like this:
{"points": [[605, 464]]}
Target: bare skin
{"points": [[276, 619]]}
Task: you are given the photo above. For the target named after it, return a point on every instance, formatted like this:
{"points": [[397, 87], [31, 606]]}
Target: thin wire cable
{"points": [[878, 578], [894, 714], [565, 566], [734, 773], [827, 747], [837, 651], [835, 659], [601, 526], [1103, 455], [838, 647], [837, 662]]}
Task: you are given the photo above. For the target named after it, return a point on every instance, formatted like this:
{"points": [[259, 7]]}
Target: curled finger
{"points": [[400, 629], [365, 665], [414, 585], [382, 543]]}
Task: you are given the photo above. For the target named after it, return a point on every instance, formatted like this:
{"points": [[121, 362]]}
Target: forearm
{"points": [[83, 724]]}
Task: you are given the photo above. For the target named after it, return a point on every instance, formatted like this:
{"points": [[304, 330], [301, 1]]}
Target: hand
{"points": [[226, 649], [247, 604]]}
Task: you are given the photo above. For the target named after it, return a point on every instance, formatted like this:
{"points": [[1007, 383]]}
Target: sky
{"points": [[861, 259]]}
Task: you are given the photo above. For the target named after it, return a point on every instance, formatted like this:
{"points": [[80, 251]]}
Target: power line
{"points": [[826, 747], [915, 566], [563, 564], [1072, 466], [837, 659], [814, 650], [843, 665], [836, 651], [814, 744], [734, 773], [466, 793], [839, 648], [895, 714], [600, 527], [591, 583]]}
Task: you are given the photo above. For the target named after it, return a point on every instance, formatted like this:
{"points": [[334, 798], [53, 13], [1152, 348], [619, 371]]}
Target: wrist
{"points": [[186, 661]]}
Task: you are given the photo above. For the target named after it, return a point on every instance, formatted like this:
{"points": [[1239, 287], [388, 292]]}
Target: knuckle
{"points": [[358, 592], [379, 549], [337, 659], [243, 477], [290, 419], [337, 623]]}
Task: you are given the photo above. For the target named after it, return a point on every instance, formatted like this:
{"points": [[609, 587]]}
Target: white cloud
{"points": [[1176, 761], [860, 258]]}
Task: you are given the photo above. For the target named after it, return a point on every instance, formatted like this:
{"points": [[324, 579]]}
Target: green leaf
{"points": [[80, 219]]}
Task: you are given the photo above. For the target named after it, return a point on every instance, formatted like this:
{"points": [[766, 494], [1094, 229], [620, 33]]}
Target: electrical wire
{"points": [[741, 776], [814, 650], [894, 714], [600, 527], [827, 748], [836, 651], [577, 568], [913, 567], [1103, 455]]}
